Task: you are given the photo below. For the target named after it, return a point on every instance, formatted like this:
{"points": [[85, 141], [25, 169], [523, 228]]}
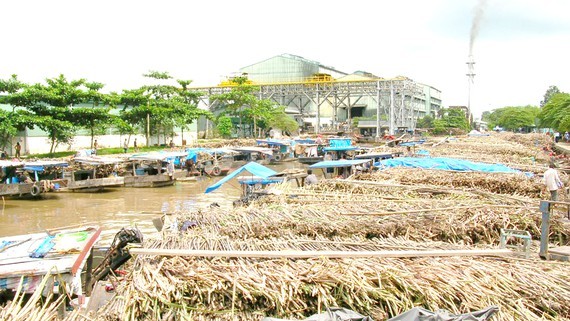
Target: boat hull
{"points": [[149, 181]]}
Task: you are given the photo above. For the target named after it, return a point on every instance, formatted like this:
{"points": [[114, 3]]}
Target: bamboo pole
{"points": [[314, 254], [423, 210]]}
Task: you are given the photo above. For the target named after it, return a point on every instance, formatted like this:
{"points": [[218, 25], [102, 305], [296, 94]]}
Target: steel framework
{"points": [[396, 99]]}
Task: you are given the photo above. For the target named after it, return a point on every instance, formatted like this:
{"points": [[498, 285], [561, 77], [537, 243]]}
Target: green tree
{"points": [[281, 120], [550, 92], [452, 118], [512, 117], [425, 122], [52, 106], [241, 102], [556, 113], [161, 107], [224, 126]]}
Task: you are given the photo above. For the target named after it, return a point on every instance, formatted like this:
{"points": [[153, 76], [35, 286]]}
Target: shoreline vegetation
{"points": [[400, 209]]}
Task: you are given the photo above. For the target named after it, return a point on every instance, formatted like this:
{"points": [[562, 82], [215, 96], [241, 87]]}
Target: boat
{"points": [[30, 179], [83, 180], [342, 168], [208, 161], [256, 154], [375, 156], [150, 169], [28, 259], [282, 149]]}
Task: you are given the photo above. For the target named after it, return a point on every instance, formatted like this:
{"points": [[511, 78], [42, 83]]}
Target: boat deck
{"points": [[61, 253]]}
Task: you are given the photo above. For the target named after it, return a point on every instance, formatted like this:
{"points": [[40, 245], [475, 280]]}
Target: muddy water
{"points": [[114, 209]]}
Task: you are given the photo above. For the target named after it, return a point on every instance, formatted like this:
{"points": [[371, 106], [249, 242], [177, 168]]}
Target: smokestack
{"points": [[475, 25]]}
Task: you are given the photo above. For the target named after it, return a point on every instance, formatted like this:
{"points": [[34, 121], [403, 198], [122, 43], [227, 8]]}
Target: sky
{"points": [[520, 47]]}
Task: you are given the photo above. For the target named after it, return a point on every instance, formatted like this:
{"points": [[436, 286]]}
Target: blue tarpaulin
{"points": [[339, 163], [252, 167], [443, 163], [340, 144]]}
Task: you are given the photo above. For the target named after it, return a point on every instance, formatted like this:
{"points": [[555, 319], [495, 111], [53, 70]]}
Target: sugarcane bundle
{"points": [[381, 287], [499, 183], [466, 222]]}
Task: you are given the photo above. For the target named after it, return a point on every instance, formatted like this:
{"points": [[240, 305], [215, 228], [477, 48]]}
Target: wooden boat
{"points": [[87, 180], [15, 183], [256, 154], [341, 168], [61, 253], [150, 169], [282, 149]]}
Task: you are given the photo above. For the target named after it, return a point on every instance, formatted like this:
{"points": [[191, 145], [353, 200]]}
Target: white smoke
{"points": [[476, 24]]}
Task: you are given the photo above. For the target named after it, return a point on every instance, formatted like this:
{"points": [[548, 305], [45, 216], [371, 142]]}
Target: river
{"points": [[117, 208]]}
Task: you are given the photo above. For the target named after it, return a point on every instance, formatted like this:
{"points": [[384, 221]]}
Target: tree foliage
{"points": [[242, 103], [550, 92], [512, 117], [160, 107], [425, 122], [556, 113], [452, 118]]}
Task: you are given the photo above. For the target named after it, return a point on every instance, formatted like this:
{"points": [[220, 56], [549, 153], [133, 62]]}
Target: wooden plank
{"points": [[312, 254], [560, 250], [86, 250]]}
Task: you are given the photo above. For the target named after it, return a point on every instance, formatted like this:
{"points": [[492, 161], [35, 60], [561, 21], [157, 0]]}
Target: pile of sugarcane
{"points": [[516, 150], [242, 288], [498, 183]]}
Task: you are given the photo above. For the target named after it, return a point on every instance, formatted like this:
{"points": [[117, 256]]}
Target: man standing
{"points": [[125, 146], [136, 146], [18, 148], [552, 181]]}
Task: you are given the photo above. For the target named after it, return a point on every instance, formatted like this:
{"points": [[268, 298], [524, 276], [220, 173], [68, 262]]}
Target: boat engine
{"points": [[117, 254]]}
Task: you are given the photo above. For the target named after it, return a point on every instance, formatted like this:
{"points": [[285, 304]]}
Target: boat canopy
{"points": [[374, 156], [8, 163], [254, 149], [96, 160], [340, 144], [339, 163], [254, 168], [40, 166], [275, 142], [413, 143], [162, 156]]}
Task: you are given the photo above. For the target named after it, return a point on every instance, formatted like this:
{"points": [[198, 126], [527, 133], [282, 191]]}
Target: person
{"points": [[18, 147], [311, 178], [552, 181], [319, 140], [409, 152], [125, 146], [135, 145], [95, 146], [190, 166], [170, 168], [3, 154], [171, 143]]}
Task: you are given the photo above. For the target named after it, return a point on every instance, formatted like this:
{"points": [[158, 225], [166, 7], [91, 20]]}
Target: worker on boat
{"points": [[311, 178]]}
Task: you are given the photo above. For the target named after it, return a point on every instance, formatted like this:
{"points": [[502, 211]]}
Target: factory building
{"points": [[324, 98]]}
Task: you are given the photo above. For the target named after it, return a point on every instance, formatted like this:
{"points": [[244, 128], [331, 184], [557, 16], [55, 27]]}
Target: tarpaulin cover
{"points": [[332, 314], [444, 163], [420, 314], [252, 167], [339, 163], [340, 144], [415, 314]]}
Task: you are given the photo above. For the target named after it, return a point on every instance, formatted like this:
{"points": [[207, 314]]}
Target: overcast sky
{"points": [[521, 48]]}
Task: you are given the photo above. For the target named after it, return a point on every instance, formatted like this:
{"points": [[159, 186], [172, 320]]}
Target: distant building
{"points": [[340, 96]]}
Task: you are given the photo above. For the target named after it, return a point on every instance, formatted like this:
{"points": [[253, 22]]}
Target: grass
{"points": [[100, 152]]}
